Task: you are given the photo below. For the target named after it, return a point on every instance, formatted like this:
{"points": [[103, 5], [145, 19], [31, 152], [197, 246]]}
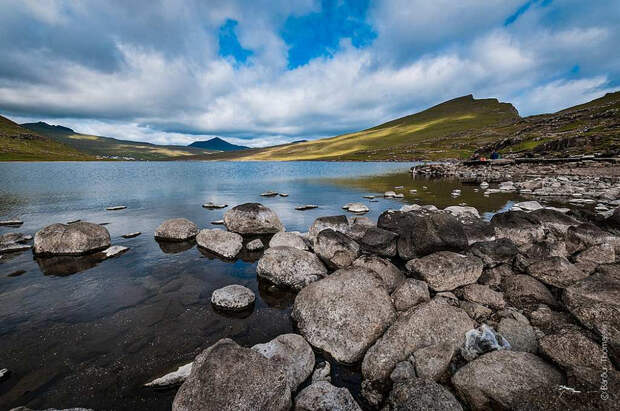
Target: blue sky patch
{"points": [[318, 34], [229, 43]]}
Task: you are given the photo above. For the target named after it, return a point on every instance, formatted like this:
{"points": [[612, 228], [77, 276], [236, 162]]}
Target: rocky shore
{"points": [[439, 309]]}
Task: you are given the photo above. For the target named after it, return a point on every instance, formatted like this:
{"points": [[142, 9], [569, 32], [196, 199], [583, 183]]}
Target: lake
{"points": [[77, 333]]}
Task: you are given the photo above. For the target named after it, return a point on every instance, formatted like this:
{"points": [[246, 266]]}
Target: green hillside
{"points": [[20, 144], [454, 129], [107, 147]]}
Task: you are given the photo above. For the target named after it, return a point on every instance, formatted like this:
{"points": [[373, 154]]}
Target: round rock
{"points": [[252, 218], [176, 229], [72, 239], [220, 242], [233, 298], [290, 267]]}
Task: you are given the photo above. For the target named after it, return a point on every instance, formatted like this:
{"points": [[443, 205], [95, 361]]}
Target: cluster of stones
{"points": [[521, 312]]}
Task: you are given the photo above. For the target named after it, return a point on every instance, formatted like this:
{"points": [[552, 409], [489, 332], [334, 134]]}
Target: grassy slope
{"points": [[451, 129], [20, 144], [106, 146]]}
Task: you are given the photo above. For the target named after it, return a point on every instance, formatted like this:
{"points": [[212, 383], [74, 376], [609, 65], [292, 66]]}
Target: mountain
{"points": [[217, 144], [107, 147], [19, 143]]}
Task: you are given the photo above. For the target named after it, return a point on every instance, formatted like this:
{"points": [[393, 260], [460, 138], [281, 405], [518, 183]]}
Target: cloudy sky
{"points": [[260, 72]]}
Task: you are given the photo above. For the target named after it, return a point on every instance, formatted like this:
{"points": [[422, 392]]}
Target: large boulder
{"points": [[288, 239], [71, 239], [290, 267], [338, 223], [379, 241], [344, 313], [426, 324], [555, 221], [175, 229], [445, 270], [556, 271], [496, 379], [586, 235], [421, 394], [409, 293], [482, 294], [420, 234], [496, 252], [220, 242], [389, 273], [337, 250], [252, 218], [291, 352], [595, 302], [519, 334], [520, 227], [526, 292], [322, 396], [227, 376]]}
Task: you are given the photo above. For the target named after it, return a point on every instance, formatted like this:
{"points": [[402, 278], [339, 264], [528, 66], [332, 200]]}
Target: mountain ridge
{"points": [[217, 144]]}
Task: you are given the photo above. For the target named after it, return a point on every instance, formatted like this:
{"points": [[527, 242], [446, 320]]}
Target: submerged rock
{"points": [[335, 314], [74, 239], [293, 354], [11, 223], [220, 242], [252, 218], [445, 270], [290, 267], [227, 376], [306, 207], [233, 297], [322, 396], [112, 251], [176, 229]]}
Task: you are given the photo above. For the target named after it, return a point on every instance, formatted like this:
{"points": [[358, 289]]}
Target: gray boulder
{"points": [[288, 239], [220, 242], [293, 354], [12, 242], [496, 379], [392, 277], [322, 396], [71, 239], [233, 297], [496, 252], [556, 271], [421, 394], [586, 235], [252, 218], [423, 233], [445, 270], [255, 245], [344, 313], [410, 293], [494, 276], [519, 334], [432, 362], [525, 292], [520, 227], [290, 267], [338, 223], [227, 376], [482, 294], [176, 229], [336, 250], [379, 241]]}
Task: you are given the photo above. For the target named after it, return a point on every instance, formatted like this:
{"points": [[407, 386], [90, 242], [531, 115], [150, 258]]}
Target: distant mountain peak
{"points": [[217, 143], [42, 125]]}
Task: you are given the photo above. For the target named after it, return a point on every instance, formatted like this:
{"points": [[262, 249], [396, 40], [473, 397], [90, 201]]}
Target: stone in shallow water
{"points": [[233, 297], [252, 218], [115, 208], [176, 377], [356, 207], [176, 229], [290, 267], [322, 396], [73, 239], [113, 251], [212, 206], [269, 194], [306, 207], [11, 222], [220, 242], [131, 235]]}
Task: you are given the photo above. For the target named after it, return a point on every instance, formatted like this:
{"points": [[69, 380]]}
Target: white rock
{"points": [[114, 251], [389, 194], [233, 297], [461, 211], [174, 378], [306, 207], [114, 208], [211, 205], [357, 208], [220, 242], [529, 205]]}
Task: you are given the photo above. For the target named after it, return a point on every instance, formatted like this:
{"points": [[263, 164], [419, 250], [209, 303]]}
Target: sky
{"points": [[265, 72]]}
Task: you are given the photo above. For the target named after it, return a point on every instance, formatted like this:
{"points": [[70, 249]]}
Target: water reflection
{"points": [[66, 265], [175, 247]]}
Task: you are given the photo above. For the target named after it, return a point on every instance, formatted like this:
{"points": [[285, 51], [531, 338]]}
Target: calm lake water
{"points": [[75, 333]]}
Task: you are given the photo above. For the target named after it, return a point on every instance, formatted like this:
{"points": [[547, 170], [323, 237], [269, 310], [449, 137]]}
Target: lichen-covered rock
{"points": [[494, 276], [556, 271], [445, 270], [227, 376], [497, 379], [255, 245], [233, 297], [290, 267], [338, 223], [520, 227], [432, 362], [175, 229], [220, 242], [322, 396], [288, 239], [525, 292], [291, 352], [392, 277], [337, 250], [585, 235], [71, 239], [379, 241], [493, 253], [409, 293], [420, 234], [252, 218], [344, 313], [519, 334], [421, 394], [476, 311], [482, 294]]}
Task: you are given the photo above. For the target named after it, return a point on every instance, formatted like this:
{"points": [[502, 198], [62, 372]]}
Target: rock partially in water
{"points": [[213, 206], [233, 298], [14, 242], [4, 373], [306, 207], [482, 340], [293, 354], [11, 223], [290, 267], [269, 193], [217, 222], [288, 239], [322, 396], [176, 229], [252, 218], [131, 235], [338, 223], [227, 376], [220, 242], [498, 378], [172, 379], [74, 239], [113, 251], [116, 208], [445, 270], [358, 208], [392, 277], [337, 250], [255, 245], [421, 394], [334, 314]]}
